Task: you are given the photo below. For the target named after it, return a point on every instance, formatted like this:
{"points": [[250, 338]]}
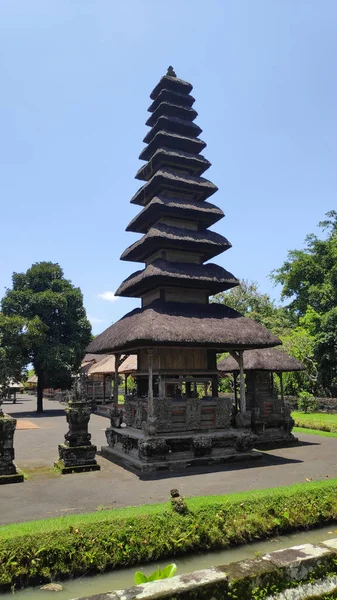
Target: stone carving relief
{"points": [[193, 416], [224, 408]]}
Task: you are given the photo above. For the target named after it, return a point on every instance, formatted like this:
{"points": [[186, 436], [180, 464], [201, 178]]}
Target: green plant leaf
{"points": [[140, 578], [169, 571], [155, 576]]}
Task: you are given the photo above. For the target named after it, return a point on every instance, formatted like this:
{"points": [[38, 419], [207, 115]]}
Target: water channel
{"points": [[120, 579]]}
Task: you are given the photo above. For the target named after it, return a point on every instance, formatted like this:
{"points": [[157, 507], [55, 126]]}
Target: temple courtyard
{"points": [[45, 493]]}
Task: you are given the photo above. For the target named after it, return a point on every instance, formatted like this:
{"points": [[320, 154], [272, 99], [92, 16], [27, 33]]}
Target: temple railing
{"points": [[190, 414]]}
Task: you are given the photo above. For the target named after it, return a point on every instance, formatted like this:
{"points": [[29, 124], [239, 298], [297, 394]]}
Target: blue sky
{"points": [[76, 77]]}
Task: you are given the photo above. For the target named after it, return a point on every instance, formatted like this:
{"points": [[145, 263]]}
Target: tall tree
{"points": [[309, 279], [12, 351], [249, 301], [56, 328]]}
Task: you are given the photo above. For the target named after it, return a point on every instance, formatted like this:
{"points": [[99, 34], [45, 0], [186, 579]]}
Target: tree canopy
{"points": [[52, 328], [309, 279]]}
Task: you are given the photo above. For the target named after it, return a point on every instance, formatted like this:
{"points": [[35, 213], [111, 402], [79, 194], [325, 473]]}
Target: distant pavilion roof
{"points": [[268, 359]]}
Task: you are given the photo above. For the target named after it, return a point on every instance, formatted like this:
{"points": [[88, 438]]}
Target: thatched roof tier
{"points": [[194, 164], [175, 125], [212, 326], [171, 83], [203, 213], [172, 110], [167, 139], [268, 359], [173, 97], [210, 277], [161, 237], [181, 184]]}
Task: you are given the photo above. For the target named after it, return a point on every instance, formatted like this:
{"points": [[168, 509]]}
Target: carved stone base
{"points": [[272, 439], [16, 477], [8, 470], [137, 451], [77, 459]]}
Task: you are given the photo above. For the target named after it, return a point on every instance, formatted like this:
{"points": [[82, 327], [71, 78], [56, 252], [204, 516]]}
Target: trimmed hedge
{"points": [[58, 549]]}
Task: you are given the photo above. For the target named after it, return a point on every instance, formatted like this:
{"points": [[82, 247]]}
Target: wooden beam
{"points": [[242, 383]]}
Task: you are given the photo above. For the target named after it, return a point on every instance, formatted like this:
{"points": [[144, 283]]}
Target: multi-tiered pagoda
{"points": [[175, 417]]}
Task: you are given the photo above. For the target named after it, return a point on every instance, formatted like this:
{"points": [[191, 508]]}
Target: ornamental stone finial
{"points": [[171, 72]]}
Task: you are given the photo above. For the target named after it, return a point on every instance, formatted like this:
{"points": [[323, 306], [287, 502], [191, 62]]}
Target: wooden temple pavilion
{"points": [[177, 333], [270, 417]]}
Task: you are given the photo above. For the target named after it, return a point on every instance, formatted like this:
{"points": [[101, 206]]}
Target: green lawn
{"points": [[320, 421], [314, 432]]}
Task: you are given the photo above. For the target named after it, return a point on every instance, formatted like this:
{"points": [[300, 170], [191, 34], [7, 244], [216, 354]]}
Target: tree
{"points": [[55, 329], [309, 279], [249, 301], [12, 354]]}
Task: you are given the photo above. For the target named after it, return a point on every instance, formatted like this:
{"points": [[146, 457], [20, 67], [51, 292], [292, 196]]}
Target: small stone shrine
{"points": [[9, 473], [268, 415], [77, 454], [175, 418]]}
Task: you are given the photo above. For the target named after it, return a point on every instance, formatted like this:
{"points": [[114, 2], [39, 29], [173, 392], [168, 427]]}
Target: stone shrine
{"points": [[77, 454], [268, 414], [9, 473], [176, 418]]}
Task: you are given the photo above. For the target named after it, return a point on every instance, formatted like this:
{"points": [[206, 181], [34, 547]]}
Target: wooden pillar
{"points": [[205, 388], [150, 387], [242, 383], [236, 391], [126, 385], [215, 392], [281, 385], [104, 376], [117, 362], [161, 387]]}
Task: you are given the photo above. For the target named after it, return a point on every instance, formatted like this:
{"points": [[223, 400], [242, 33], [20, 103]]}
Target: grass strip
{"points": [[320, 421], [50, 549], [308, 431]]}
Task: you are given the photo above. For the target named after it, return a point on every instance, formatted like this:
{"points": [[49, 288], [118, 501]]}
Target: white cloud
{"points": [[95, 320], [109, 296]]}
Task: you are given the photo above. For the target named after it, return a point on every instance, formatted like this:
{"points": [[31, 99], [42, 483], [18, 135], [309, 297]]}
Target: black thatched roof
{"points": [[173, 97], [173, 110], [171, 83], [172, 140], [173, 124], [167, 179], [195, 164], [161, 272], [269, 359], [162, 236], [178, 324], [162, 206]]}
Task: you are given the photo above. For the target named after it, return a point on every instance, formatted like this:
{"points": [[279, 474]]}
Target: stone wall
{"points": [[300, 572]]}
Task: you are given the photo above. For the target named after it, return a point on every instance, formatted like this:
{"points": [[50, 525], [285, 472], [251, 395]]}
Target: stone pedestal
{"points": [[138, 451], [9, 473], [77, 454]]}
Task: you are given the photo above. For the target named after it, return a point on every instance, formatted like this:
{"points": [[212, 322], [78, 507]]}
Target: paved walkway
{"points": [[47, 494]]}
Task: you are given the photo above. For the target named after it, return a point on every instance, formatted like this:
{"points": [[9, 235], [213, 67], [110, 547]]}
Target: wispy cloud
{"points": [[95, 320], [109, 296]]}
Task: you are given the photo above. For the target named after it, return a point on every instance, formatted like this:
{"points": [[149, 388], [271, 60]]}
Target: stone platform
{"points": [[133, 449]]}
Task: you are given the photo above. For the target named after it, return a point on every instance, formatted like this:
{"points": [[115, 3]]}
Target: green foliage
{"points": [[319, 421], [12, 352], [54, 328], [168, 571], [309, 279], [249, 301], [307, 402], [32, 553]]}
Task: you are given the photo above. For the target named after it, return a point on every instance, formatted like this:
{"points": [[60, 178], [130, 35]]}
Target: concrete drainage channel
{"points": [[297, 573]]}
